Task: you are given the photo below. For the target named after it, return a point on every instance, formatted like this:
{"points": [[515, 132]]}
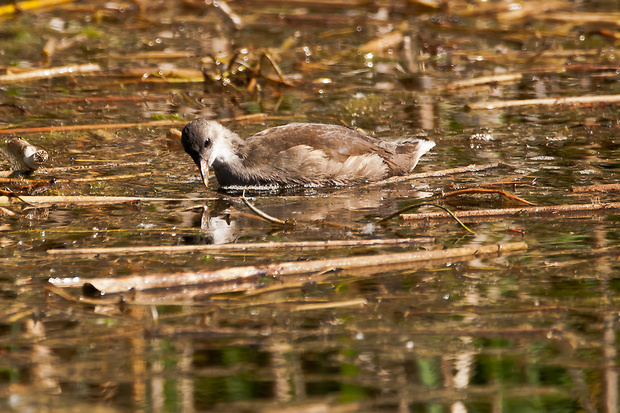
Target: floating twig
{"points": [[488, 191], [245, 247], [558, 101], [596, 188], [28, 156], [157, 55], [19, 181], [151, 124], [506, 182], [50, 72], [103, 178], [41, 201], [264, 215], [82, 167], [104, 99], [70, 128], [7, 212], [478, 81], [596, 18], [410, 207], [241, 274], [532, 210], [93, 166], [170, 75], [355, 302]]}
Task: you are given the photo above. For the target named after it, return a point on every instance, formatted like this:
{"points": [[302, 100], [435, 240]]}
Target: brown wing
{"points": [[337, 142]]}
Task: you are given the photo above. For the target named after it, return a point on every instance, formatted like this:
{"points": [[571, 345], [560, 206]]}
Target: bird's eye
{"points": [[207, 142]]}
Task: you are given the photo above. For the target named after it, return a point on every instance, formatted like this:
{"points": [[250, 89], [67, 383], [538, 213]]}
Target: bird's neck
{"points": [[228, 162]]}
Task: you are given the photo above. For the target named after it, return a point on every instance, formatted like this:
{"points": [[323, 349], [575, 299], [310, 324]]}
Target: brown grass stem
{"points": [[239, 275], [42, 201], [103, 178], [75, 168], [506, 194], [264, 215], [483, 80], [556, 101], [596, 188], [532, 210], [152, 124], [50, 72], [71, 128], [355, 302], [410, 207]]}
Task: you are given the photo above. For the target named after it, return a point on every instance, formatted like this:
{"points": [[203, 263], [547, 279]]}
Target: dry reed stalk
{"points": [[492, 8], [246, 247], [504, 212], [530, 9], [105, 99], [484, 80], [322, 4], [264, 215], [6, 212], [42, 201], [191, 75], [505, 182], [488, 191], [70, 128], [158, 55], [50, 72], [103, 178], [108, 164], [557, 101], [97, 166], [356, 302], [245, 274], [596, 188], [407, 208], [152, 124], [20, 180], [607, 17]]}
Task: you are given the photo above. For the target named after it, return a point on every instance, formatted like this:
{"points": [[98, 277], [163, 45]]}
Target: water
{"points": [[532, 330]]}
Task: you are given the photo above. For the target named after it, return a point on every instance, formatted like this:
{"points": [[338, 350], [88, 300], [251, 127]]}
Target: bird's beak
{"points": [[204, 171]]}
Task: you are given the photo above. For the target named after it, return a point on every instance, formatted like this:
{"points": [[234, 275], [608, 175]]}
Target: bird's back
{"points": [[337, 142]]}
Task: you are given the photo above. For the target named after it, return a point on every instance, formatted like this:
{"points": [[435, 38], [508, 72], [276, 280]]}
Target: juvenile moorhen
{"points": [[297, 154]]}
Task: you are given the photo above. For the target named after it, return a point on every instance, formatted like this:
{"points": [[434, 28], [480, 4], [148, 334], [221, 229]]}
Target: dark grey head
{"points": [[207, 141]]}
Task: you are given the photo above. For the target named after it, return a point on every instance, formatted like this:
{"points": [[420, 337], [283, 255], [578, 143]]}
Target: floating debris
{"points": [[28, 156]]}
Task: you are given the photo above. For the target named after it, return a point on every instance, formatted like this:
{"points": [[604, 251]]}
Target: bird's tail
{"points": [[408, 154]]}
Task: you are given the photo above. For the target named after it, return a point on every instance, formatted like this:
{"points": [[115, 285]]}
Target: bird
{"points": [[297, 154]]}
